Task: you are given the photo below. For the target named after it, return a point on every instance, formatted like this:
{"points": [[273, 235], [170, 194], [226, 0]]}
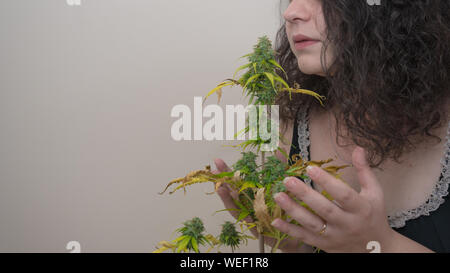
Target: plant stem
{"points": [[279, 240], [261, 237], [275, 247]]}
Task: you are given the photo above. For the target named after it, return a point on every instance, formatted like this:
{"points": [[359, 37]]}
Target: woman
{"points": [[385, 71]]}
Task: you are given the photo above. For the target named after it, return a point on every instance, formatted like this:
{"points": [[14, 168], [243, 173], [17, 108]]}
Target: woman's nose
{"points": [[297, 10]]}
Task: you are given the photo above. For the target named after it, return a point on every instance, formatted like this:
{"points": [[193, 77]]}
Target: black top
{"points": [[431, 231]]}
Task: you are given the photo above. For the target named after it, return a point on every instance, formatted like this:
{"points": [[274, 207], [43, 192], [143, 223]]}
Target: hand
{"points": [[227, 195], [347, 224]]}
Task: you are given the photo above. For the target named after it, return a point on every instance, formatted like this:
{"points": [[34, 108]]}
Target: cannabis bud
{"points": [[229, 236]]}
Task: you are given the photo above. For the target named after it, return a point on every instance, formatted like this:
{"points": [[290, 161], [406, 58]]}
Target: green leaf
{"points": [[246, 185], [225, 210], [179, 238], [293, 169], [279, 79], [245, 56], [270, 76], [242, 215], [278, 65], [241, 131], [252, 78], [194, 244], [224, 174], [239, 204], [241, 68], [251, 99], [183, 244]]}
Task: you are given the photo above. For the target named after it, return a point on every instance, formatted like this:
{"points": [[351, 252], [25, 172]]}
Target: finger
{"points": [[227, 199], [366, 176], [300, 214], [326, 209], [234, 193], [303, 234], [221, 165], [347, 197]]}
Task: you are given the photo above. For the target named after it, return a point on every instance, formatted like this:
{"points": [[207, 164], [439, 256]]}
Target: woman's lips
{"points": [[305, 43]]}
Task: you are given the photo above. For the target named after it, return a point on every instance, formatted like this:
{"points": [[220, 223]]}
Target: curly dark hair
{"points": [[391, 72]]}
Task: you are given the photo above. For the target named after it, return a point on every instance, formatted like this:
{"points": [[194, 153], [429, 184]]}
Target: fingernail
{"points": [[289, 181], [279, 197], [275, 222], [312, 171]]}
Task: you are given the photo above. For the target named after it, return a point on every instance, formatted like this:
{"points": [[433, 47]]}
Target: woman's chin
{"points": [[310, 69]]}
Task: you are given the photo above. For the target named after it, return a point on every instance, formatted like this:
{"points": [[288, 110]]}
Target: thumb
{"points": [[366, 176], [221, 165]]}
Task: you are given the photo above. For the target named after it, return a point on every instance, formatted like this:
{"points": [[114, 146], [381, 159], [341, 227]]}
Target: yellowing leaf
{"points": [[218, 89], [279, 66], [192, 181], [279, 79], [271, 78], [160, 250], [213, 240], [261, 212], [247, 185], [183, 244], [241, 68], [306, 92], [164, 245], [192, 178], [194, 244], [252, 78]]}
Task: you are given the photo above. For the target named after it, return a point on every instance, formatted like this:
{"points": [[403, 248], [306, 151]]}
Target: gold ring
{"points": [[322, 231]]}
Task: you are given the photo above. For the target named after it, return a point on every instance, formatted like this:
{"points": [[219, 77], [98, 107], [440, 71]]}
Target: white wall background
{"points": [[85, 99]]}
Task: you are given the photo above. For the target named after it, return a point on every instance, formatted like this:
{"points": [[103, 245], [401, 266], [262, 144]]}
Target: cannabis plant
{"points": [[256, 183], [190, 239], [231, 237]]}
